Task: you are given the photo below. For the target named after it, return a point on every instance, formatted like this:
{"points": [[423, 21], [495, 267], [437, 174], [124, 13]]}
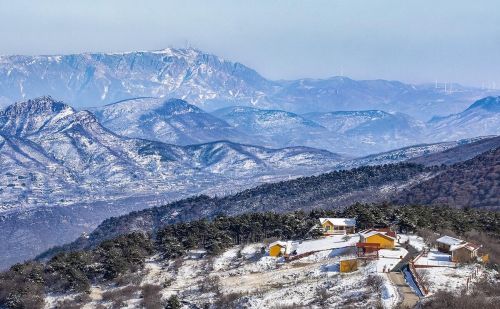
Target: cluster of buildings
{"points": [[460, 251], [371, 241]]}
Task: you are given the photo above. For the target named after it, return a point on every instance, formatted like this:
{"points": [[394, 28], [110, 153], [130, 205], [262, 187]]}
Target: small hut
{"points": [[465, 253], [447, 244]]}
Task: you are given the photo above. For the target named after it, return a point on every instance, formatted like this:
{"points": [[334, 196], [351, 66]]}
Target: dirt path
{"points": [[409, 298]]}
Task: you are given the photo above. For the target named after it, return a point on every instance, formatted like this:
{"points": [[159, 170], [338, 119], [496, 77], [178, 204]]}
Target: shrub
{"points": [[119, 296], [173, 302], [151, 297], [225, 301], [210, 284], [375, 283], [22, 286], [69, 272]]}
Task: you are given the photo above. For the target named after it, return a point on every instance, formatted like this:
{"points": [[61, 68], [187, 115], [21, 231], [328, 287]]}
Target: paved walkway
{"points": [[409, 298]]}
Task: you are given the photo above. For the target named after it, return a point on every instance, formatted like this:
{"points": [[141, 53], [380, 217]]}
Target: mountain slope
{"points": [[397, 182], [99, 164], [464, 150], [481, 118], [429, 154], [365, 132], [273, 127], [473, 183], [171, 121], [336, 189], [63, 171]]}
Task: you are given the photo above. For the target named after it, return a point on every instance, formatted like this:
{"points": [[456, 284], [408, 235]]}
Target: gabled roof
{"points": [[450, 241], [339, 221]]}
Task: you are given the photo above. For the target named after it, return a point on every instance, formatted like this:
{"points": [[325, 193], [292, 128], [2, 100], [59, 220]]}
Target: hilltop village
{"points": [[340, 267]]}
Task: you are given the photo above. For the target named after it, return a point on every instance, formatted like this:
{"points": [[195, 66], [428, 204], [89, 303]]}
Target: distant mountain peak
{"points": [[491, 104], [176, 107], [28, 117], [43, 104]]}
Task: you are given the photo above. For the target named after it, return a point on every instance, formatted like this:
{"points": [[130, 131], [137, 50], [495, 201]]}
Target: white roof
{"points": [[371, 233], [279, 243], [467, 245], [339, 221], [450, 241]]}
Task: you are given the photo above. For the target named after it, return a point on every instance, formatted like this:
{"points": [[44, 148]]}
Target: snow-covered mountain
{"points": [[175, 121], [275, 128], [99, 77], [211, 82], [481, 118], [354, 133], [429, 154], [171, 121], [53, 154], [363, 132]]}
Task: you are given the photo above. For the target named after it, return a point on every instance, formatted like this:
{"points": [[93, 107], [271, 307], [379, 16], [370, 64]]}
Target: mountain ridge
{"points": [[210, 82]]}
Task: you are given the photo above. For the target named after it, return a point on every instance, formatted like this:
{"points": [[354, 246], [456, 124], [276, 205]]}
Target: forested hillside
{"points": [[332, 190], [460, 153], [473, 183]]}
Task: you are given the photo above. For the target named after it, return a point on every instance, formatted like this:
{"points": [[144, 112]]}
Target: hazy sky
{"points": [[410, 40]]}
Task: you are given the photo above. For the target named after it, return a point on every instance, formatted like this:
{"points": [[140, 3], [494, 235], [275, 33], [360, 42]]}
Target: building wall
{"points": [[385, 243], [327, 225], [330, 228], [462, 255], [348, 265], [275, 250], [443, 247]]}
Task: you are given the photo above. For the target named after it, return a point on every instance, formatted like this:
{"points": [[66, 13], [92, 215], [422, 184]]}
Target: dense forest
{"points": [[24, 285], [473, 183]]}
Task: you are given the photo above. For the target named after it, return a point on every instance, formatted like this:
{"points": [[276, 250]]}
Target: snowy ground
{"points": [[388, 258], [326, 243], [415, 241], [244, 276], [450, 279], [435, 258], [259, 280]]}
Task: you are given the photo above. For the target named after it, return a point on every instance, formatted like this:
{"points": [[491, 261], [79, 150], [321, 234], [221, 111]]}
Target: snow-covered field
{"points": [[415, 241], [450, 279], [330, 242], [435, 258]]}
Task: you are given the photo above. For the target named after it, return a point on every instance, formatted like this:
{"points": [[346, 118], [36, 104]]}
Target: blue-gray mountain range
{"points": [[210, 82]]}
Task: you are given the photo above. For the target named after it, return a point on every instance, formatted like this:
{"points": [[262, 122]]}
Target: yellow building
{"points": [[385, 240], [347, 266], [338, 226], [277, 248]]}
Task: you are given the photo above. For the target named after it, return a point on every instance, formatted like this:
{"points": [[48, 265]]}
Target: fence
{"points": [[418, 279]]}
